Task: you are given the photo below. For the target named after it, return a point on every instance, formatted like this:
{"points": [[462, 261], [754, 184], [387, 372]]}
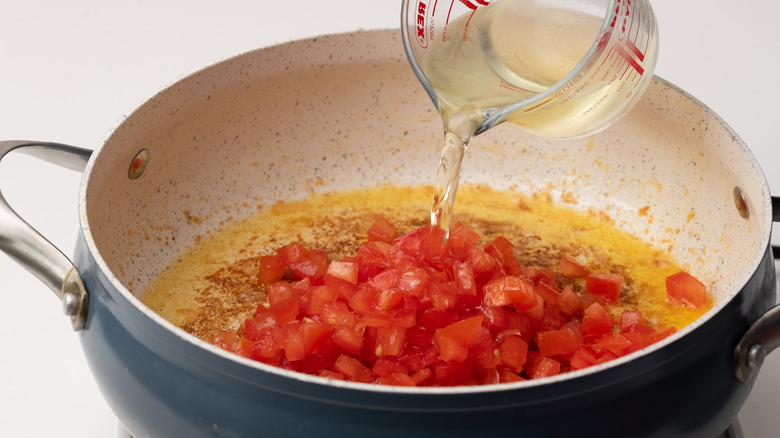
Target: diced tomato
{"points": [[614, 343], [353, 368], [227, 340], [542, 277], [390, 341], [453, 341], [285, 311], [584, 357], [255, 327], [413, 281], [443, 296], [388, 299], [328, 374], [318, 297], [377, 318], [347, 271], [291, 253], [382, 230], [630, 318], [372, 258], [607, 286], [548, 294], [536, 313], [481, 262], [544, 367], [510, 290], [687, 289], [500, 246], [513, 352], [507, 376], [464, 278], [313, 265], [344, 289], [313, 334], [419, 310], [569, 303], [449, 374], [385, 367], [348, 339], [596, 321], [570, 268], [557, 342], [288, 336], [465, 233], [551, 320], [660, 334], [270, 269]]}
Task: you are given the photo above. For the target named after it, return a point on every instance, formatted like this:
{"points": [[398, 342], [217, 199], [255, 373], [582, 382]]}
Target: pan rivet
{"points": [[138, 165], [741, 203], [755, 356]]}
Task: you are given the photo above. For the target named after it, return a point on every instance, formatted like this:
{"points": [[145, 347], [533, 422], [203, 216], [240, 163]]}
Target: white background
{"points": [[70, 71]]}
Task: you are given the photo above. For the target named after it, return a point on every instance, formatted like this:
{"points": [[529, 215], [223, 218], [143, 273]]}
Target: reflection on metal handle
{"points": [[764, 335], [25, 245]]}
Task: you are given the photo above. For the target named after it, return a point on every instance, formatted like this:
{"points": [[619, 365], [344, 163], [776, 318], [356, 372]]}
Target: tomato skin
{"points": [[687, 289]]}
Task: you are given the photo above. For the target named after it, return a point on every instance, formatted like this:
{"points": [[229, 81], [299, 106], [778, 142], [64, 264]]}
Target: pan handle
{"points": [[764, 335], [30, 249]]}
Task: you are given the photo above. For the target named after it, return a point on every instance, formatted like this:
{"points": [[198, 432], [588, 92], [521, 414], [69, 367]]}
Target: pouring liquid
{"points": [[495, 57]]}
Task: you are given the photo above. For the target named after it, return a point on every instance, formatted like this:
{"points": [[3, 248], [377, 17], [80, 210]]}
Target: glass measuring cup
{"points": [[559, 68]]}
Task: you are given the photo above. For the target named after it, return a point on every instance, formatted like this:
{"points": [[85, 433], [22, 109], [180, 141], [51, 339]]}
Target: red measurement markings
{"points": [[628, 52]]}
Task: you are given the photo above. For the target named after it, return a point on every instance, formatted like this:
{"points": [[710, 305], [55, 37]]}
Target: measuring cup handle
{"points": [[30, 249]]}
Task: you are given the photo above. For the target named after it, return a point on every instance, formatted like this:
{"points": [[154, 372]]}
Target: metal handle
{"points": [[30, 249], [764, 335]]}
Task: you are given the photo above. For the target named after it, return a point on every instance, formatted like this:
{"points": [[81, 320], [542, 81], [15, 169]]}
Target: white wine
{"points": [[511, 52], [558, 71]]}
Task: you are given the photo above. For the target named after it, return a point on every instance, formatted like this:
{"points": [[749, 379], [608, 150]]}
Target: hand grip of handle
{"points": [[30, 249], [764, 335]]}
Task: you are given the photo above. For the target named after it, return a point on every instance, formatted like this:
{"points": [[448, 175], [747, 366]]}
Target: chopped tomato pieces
{"points": [[606, 286], [570, 268], [382, 230], [685, 288], [420, 309]]}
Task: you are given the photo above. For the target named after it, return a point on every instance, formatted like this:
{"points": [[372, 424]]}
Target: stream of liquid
{"points": [[501, 54]]}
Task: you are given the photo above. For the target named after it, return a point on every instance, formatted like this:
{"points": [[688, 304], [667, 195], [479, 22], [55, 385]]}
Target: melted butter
{"points": [[213, 285]]}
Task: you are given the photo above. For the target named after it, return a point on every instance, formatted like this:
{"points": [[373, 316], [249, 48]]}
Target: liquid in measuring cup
{"points": [[564, 68]]}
